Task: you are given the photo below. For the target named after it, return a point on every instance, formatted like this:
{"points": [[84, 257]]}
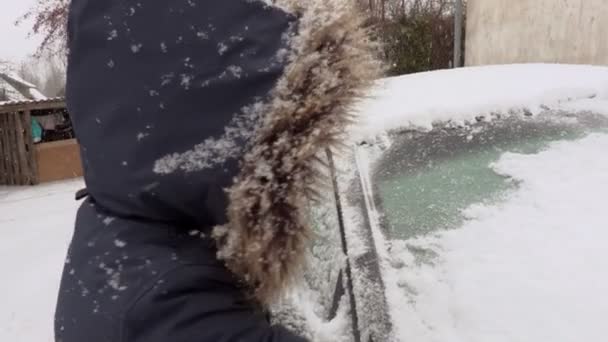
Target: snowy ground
{"points": [[531, 269], [35, 227]]}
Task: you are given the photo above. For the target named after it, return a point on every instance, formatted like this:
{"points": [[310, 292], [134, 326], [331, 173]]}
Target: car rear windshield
{"points": [[424, 180]]}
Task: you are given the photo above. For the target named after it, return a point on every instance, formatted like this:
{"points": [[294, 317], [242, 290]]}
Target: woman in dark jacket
{"points": [[199, 124]]}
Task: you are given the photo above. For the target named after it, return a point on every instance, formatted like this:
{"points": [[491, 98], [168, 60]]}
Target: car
{"points": [[470, 207]]}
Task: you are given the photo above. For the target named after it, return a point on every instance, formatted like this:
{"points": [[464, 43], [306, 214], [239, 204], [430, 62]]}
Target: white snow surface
{"points": [[459, 95], [36, 224], [531, 269]]}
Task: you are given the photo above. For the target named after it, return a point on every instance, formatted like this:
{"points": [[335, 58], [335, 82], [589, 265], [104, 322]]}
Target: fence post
{"points": [[3, 151], [14, 154], [32, 158], [24, 147]]}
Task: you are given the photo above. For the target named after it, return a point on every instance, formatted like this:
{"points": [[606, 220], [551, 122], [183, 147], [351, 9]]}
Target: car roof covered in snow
{"points": [[417, 101]]}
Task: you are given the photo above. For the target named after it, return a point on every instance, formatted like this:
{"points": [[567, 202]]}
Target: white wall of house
{"points": [[551, 31]]}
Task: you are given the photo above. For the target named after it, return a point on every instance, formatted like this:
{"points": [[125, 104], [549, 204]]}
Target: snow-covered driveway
{"points": [[35, 227]]}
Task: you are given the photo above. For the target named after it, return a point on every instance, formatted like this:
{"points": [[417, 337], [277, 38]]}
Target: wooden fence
{"points": [[18, 164], [18, 159]]}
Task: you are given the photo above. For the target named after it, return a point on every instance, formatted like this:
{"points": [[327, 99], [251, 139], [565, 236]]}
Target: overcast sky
{"points": [[14, 42]]}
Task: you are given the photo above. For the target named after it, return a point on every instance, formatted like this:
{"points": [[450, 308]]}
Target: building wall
{"points": [[551, 31]]}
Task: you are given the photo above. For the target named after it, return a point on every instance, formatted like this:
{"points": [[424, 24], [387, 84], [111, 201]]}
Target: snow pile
{"points": [[531, 269], [35, 228], [460, 95]]}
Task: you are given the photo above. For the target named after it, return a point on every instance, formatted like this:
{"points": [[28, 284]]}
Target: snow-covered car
{"points": [[474, 207]]}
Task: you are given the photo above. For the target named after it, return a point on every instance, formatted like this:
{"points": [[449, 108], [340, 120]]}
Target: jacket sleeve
{"points": [[199, 304]]}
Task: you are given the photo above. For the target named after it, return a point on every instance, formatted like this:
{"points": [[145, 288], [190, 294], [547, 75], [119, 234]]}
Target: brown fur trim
{"points": [[332, 65]]}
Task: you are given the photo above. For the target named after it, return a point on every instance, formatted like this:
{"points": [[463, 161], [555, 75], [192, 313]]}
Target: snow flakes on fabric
{"points": [[214, 151], [119, 243], [135, 48], [185, 81], [222, 48], [233, 71], [108, 220], [141, 136], [285, 5], [217, 150], [113, 35], [167, 79]]}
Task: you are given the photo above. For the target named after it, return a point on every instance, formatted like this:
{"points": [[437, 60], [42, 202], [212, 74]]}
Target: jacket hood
{"points": [[331, 64]]}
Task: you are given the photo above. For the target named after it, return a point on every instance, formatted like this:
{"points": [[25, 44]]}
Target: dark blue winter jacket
{"points": [[173, 102], [147, 80]]}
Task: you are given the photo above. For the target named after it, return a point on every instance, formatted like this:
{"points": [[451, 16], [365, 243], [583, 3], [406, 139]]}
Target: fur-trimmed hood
{"points": [[217, 90], [330, 65]]}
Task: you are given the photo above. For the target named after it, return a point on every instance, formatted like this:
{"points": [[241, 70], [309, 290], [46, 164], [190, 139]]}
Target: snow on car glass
{"points": [[495, 227], [425, 180]]}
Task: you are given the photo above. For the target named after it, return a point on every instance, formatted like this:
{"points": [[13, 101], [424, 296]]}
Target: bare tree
{"points": [[30, 72], [5, 65], [50, 21], [46, 72], [54, 84], [417, 35]]}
